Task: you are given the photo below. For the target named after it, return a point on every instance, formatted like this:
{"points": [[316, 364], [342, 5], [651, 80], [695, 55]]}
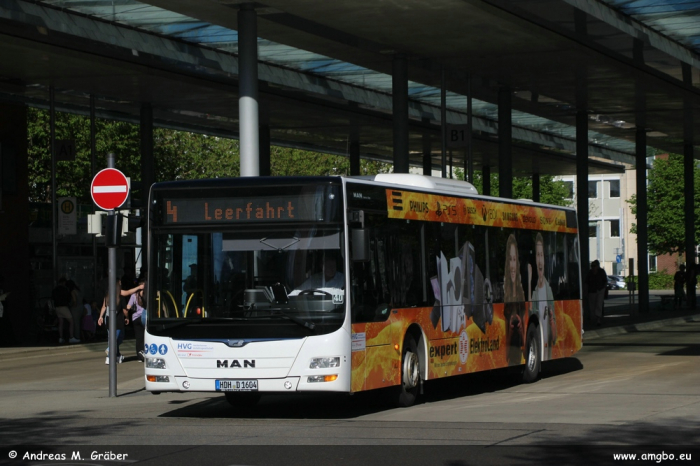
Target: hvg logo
{"points": [[184, 346]]}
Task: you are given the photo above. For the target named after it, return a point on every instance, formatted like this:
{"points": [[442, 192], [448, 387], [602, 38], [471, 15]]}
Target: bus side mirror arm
{"points": [[360, 244]]}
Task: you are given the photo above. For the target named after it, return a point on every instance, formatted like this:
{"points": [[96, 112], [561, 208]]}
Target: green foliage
{"points": [[551, 191], [294, 162], [178, 155], [666, 200], [657, 280]]}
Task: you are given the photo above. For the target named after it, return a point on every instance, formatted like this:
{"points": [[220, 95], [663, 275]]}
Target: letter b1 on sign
{"points": [[457, 136]]}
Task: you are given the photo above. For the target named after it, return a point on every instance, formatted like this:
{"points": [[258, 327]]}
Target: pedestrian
{"points": [[136, 306], [87, 326], [77, 309], [121, 316], [679, 280], [61, 297], [597, 281]]}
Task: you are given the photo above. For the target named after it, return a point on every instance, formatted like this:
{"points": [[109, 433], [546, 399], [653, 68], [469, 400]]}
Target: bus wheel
{"points": [[242, 399], [533, 358], [410, 373]]}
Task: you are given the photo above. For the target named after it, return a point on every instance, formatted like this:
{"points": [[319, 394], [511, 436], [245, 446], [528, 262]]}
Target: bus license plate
{"points": [[236, 385]]}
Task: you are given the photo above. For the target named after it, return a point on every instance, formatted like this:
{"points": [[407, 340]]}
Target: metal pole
{"points": [[112, 304], [443, 122], [54, 213], [470, 129], [93, 172], [399, 95], [248, 90]]}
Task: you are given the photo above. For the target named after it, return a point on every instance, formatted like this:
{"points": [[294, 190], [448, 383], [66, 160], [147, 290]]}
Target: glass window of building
{"points": [[614, 228], [569, 189], [592, 189], [592, 229], [652, 263], [614, 188]]}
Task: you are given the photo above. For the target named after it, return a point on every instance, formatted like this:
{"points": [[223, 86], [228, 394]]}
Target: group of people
{"points": [[72, 309], [131, 310], [81, 319]]}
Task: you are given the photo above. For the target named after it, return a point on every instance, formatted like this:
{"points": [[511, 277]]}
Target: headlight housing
{"points": [[324, 363], [155, 363]]}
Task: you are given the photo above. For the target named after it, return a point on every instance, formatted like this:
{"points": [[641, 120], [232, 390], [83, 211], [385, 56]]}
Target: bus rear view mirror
{"points": [[360, 244]]}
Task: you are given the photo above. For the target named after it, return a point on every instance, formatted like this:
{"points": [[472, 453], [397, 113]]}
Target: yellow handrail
{"points": [[187, 306], [177, 313]]}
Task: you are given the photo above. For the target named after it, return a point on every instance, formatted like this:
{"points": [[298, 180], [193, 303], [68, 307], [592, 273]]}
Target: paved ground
{"points": [[633, 387]]}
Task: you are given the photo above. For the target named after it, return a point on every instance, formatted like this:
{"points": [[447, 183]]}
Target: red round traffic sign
{"points": [[109, 189]]}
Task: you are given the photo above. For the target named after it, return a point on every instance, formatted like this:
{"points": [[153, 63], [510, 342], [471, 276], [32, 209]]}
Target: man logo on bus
{"points": [[234, 363]]}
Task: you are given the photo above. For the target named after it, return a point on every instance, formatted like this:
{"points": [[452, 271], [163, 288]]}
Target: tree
{"points": [[178, 155], [666, 198], [552, 191]]}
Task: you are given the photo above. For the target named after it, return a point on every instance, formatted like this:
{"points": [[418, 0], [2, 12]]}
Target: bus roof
{"points": [[446, 185]]}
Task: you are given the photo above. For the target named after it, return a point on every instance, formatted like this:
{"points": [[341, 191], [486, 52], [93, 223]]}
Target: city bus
{"points": [[346, 284]]}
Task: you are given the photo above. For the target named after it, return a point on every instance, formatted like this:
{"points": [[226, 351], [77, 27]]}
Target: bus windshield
{"points": [[248, 282]]}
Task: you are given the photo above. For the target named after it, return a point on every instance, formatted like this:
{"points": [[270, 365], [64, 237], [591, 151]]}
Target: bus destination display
{"points": [[235, 210]]}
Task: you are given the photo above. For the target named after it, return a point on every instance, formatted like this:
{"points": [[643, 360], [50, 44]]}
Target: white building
{"points": [[610, 219]]}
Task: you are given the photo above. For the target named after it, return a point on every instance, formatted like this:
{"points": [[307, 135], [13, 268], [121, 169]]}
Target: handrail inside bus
{"points": [[187, 306], [177, 313]]}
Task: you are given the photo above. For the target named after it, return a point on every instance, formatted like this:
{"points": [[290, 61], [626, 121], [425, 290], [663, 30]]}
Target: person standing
{"points": [[62, 300], [597, 281], [679, 280], [77, 309], [136, 304], [121, 316]]}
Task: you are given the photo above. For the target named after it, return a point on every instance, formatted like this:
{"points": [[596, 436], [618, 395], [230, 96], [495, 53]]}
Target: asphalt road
{"points": [[622, 392]]}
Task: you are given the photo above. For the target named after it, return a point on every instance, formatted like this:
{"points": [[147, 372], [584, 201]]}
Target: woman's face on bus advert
{"points": [[539, 256], [512, 262]]}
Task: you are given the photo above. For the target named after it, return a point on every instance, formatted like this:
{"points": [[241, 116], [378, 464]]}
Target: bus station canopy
{"points": [[325, 71]]}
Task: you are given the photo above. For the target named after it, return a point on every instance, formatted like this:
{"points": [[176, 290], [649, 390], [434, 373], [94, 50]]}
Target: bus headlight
{"points": [[322, 378], [324, 363], [155, 363]]}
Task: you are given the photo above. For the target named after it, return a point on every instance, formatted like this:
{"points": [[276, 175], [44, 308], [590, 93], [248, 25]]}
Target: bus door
{"points": [[374, 360]]}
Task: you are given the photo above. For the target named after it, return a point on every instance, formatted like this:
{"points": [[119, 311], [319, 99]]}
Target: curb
{"points": [[7, 354], [605, 332]]}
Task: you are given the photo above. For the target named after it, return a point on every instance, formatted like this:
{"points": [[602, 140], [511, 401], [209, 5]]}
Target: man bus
{"points": [[429, 280]]}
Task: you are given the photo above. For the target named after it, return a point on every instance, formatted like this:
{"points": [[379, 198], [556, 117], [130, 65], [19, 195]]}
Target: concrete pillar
{"points": [[505, 144], [642, 228], [14, 221], [443, 124], [399, 93], [582, 172], [486, 179], [536, 187], [148, 173], [248, 90], [354, 149], [265, 151], [427, 151]]}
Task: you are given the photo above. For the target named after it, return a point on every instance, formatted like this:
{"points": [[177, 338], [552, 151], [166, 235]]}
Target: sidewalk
{"points": [[617, 319]]}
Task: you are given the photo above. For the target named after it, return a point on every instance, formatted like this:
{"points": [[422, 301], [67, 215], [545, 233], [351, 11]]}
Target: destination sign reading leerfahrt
{"points": [[258, 209]]}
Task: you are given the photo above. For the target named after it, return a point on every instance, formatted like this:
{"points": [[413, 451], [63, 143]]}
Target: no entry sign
{"points": [[109, 189]]}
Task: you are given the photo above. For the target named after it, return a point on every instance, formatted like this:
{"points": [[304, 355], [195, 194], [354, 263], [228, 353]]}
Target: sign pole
{"points": [[113, 300]]}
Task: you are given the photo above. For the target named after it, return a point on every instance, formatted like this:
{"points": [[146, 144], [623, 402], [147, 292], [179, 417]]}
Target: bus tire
{"points": [[533, 356], [410, 373], [242, 399]]}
